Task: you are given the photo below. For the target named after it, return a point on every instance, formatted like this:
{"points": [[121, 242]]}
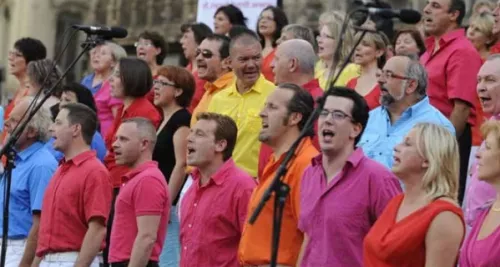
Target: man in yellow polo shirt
{"points": [[244, 98]]}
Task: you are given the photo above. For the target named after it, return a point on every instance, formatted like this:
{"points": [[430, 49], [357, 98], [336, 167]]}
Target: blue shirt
{"points": [[87, 82], [380, 137], [1, 119], [97, 145], [34, 168]]}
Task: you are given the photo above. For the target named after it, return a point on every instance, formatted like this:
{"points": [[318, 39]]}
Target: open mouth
{"points": [[201, 64], [484, 99], [327, 135], [265, 125], [141, 54], [396, 159], [190, 150]]}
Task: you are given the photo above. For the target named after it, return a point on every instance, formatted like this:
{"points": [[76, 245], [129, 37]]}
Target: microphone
{"points": [[107, 32], [409, 16]]}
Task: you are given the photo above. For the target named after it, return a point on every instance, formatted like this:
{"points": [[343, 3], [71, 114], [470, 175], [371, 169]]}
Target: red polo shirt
{"points": [[212, 217], [266, 151], [452, 72], [140, 107], [79, 191], [144, 193]]}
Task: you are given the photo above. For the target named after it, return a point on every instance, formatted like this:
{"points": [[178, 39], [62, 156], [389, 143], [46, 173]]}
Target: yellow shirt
{"points": [[210, 90], [244, 109], [350, 72]]}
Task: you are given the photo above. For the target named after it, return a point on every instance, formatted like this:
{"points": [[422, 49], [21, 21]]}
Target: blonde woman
{"points": [[424, 226], [481, 246], [327, 41], [480, 33]]}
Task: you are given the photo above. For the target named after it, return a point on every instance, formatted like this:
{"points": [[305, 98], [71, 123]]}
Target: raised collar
{"points": [[26, 153], [257, 87], [445, 39], [220, 176], [144, 166], [414, 109], [220, 83], [354, 159], [80, 158]]}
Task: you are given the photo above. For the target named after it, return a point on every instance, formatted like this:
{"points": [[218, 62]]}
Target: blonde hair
{"points": [[491, 127], [440, 148], [484, 22], [333, 21], [480, 4]]}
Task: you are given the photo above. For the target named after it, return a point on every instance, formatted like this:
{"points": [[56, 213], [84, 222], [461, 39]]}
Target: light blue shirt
{"points": [[97, 145], [34, 168], [380, 137], [2, 112]]}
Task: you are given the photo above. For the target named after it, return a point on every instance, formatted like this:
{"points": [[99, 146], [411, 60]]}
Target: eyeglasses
{"points": [[336, 114], [162, 83], [390, 75], [137, 44], [204, 53]]}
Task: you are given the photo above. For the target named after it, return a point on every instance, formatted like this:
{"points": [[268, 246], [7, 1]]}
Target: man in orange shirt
{"points": [[212, 58], [283, 117]]}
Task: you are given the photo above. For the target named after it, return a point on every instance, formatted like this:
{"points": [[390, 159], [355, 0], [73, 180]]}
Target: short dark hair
{"points": [[83, 95], [224, 44], [359, 111], [136, 77], [302, 102], [80, 114], [32, 49], [236, 30], [415, 34], [200, 31], [233, 13], [458, 5], [226, 129], [246, 35], [279, 18], [182, 79], [159, 42]]}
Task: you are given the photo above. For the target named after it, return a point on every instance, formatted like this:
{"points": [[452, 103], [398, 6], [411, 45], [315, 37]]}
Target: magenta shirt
{"points": [[213, 216], [452, 72], [105, 103], [479, 193], [145, 192], [484, 252], [337, 216]]}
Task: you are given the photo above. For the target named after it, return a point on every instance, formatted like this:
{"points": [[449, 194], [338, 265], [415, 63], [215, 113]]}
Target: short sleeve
{"points": [[461, 71], [97, 194], [150, 197], [384, 188], [242, 203], [38, 181]]}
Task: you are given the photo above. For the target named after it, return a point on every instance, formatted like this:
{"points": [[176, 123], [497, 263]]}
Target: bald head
{"points": [[294, 57]]}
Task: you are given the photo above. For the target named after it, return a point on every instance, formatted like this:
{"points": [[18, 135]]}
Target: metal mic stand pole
{"points": [[278, 187], [9, 149]]}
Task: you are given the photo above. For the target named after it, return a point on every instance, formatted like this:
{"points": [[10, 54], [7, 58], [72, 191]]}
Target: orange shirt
{"points": [[266, 70], [255, 244]]}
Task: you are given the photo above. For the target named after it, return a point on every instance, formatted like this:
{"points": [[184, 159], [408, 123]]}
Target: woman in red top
{"points": [[370, 56], [424, 226]]}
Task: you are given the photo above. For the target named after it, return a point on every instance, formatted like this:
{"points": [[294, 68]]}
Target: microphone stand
{"points": [[10, 152], [278, 187]]}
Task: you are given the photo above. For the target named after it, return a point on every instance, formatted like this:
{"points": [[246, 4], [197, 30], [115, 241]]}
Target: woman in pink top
{"points": [[481, 248]]}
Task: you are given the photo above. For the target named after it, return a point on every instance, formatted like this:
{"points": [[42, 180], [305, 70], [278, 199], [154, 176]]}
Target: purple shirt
{"points": [[479, 193], [105, 104], [337, 216], [484, 252]]}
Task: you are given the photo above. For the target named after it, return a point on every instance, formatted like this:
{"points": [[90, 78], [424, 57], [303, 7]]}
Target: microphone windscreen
{"points": [[118, 32], [410, 16]]}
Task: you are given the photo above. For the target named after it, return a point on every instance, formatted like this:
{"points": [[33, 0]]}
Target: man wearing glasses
{"points": [[404, 103]]}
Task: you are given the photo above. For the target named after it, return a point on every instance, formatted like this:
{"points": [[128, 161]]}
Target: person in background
{"points": [[152, 48], [101, 66], [269, 25], [192, 36], [342, 192], [327, 41], [244, 98], [33, 169], [38, 72], [480, 248], [24, 51], [370, 56], [210, 236], [297, 31], [452, 63], [235, 31], [226, 17], [283, 117], [143, 205], [77, 200], [214, 66], [480, 33], [404, 103], [408, 41], [495, 49], [483, 7], [78, 93], [423, 226]]}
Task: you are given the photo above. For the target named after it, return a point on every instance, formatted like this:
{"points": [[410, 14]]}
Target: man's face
{"points": [[392, 82], [127, 145], [202, 148], [246, 60], [437, 18], [14, 119], [62, 131], [488, 86], [209, 60], [275, 116], [281, 66]]}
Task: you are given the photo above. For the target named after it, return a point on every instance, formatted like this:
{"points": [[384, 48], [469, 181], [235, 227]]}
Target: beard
{"points": [[388, 99]]}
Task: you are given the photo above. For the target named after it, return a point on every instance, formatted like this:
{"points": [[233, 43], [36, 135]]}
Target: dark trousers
{"points": [[105, 253], [125, 264], [464, 146]]}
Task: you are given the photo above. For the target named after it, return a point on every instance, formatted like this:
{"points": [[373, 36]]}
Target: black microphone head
{"points": [[117, 32], [410, 16]]}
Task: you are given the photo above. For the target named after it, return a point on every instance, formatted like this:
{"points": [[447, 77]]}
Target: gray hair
{"points": [[493, 57], [417, 72], [40, 122], [303, 52], [37, 72], [145, 128], [301, 32], [117, 51]]}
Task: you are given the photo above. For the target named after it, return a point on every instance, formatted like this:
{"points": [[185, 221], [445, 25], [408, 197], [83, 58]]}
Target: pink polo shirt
{"points": [[452, 72], [337, 216], [212, 217], [144, 193], [105, 104]]}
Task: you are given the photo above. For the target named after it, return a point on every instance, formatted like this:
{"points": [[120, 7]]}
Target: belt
{"points": [[70, 256], [125, 264]]}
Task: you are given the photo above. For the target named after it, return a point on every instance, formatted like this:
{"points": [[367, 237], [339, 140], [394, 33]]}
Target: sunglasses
{"points": [[204, 53]]}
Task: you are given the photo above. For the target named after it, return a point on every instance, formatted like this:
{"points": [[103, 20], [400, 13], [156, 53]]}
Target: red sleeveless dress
{"points": [[402, 244]]}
